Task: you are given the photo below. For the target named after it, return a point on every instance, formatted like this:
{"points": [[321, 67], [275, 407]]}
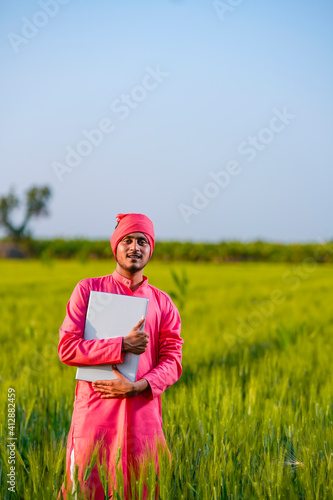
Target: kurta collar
{"points": [[126, 281]]}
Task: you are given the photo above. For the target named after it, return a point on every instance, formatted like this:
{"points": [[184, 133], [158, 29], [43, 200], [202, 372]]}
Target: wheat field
{"points": [[251, 416]]}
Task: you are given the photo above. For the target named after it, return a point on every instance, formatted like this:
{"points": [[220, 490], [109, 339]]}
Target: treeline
{"points": [[226, 251]]}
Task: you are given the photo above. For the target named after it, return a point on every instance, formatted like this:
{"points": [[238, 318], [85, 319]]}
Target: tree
{"points": [[36, 200]]}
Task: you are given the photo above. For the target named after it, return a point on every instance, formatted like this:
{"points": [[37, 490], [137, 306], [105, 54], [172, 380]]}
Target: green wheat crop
{"points": [[252, 415]]}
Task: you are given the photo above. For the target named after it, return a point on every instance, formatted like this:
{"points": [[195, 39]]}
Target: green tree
{"points": [[36, 200]]}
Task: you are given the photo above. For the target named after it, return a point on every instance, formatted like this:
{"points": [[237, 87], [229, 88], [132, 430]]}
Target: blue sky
{"points": [[183, 93]]}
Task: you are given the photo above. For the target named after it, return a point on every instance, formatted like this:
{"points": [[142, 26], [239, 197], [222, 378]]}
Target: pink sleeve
{"points": [[169, 368], [73, 349]]}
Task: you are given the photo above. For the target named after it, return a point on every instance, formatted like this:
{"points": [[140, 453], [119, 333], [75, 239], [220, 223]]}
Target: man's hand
{"points": [[137, 340], [119, 388]]}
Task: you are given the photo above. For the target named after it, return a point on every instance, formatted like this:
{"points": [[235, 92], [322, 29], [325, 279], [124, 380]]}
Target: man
{"points": [[120, 420]]}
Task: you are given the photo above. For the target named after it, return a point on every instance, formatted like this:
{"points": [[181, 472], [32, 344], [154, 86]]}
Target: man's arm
{"points": [[166, 373], [168, 369], [73, 350]]}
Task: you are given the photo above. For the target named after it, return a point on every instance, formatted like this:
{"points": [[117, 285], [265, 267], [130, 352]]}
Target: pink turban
{"points": [[132, 223]]}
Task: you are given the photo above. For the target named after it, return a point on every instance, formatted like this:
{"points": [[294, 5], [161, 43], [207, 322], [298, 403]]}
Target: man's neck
{"points": [[136, 278]]}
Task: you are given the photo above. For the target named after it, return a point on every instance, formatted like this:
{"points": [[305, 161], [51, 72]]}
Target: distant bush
{"points": [[69, 249], [233, 251], [225, 251]]}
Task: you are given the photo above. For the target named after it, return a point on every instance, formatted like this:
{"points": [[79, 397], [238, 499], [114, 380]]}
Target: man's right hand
{"points": [[137, 340]]}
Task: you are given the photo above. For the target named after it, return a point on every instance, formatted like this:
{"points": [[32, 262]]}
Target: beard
{"points": [[132, 266]]}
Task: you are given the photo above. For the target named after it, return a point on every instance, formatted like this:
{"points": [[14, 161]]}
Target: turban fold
{"points": [[132, 223]]}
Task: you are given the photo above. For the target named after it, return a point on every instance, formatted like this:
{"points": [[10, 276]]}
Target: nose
{"points": [[134, 245]]}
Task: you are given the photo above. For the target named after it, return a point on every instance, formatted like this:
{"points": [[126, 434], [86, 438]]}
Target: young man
{"points": [[118, 414]]}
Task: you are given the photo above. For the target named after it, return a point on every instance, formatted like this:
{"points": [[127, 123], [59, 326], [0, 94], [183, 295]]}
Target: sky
{"points": [[214, 118]]}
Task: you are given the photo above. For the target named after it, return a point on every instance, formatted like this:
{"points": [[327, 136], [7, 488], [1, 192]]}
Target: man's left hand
{"points": [[121, 387]]}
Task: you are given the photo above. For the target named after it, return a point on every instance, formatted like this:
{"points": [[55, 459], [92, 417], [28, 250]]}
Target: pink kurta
{"points": [[131, 424]]}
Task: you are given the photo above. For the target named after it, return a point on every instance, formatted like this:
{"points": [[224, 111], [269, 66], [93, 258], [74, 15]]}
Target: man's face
{"points": [[133, 252]]}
